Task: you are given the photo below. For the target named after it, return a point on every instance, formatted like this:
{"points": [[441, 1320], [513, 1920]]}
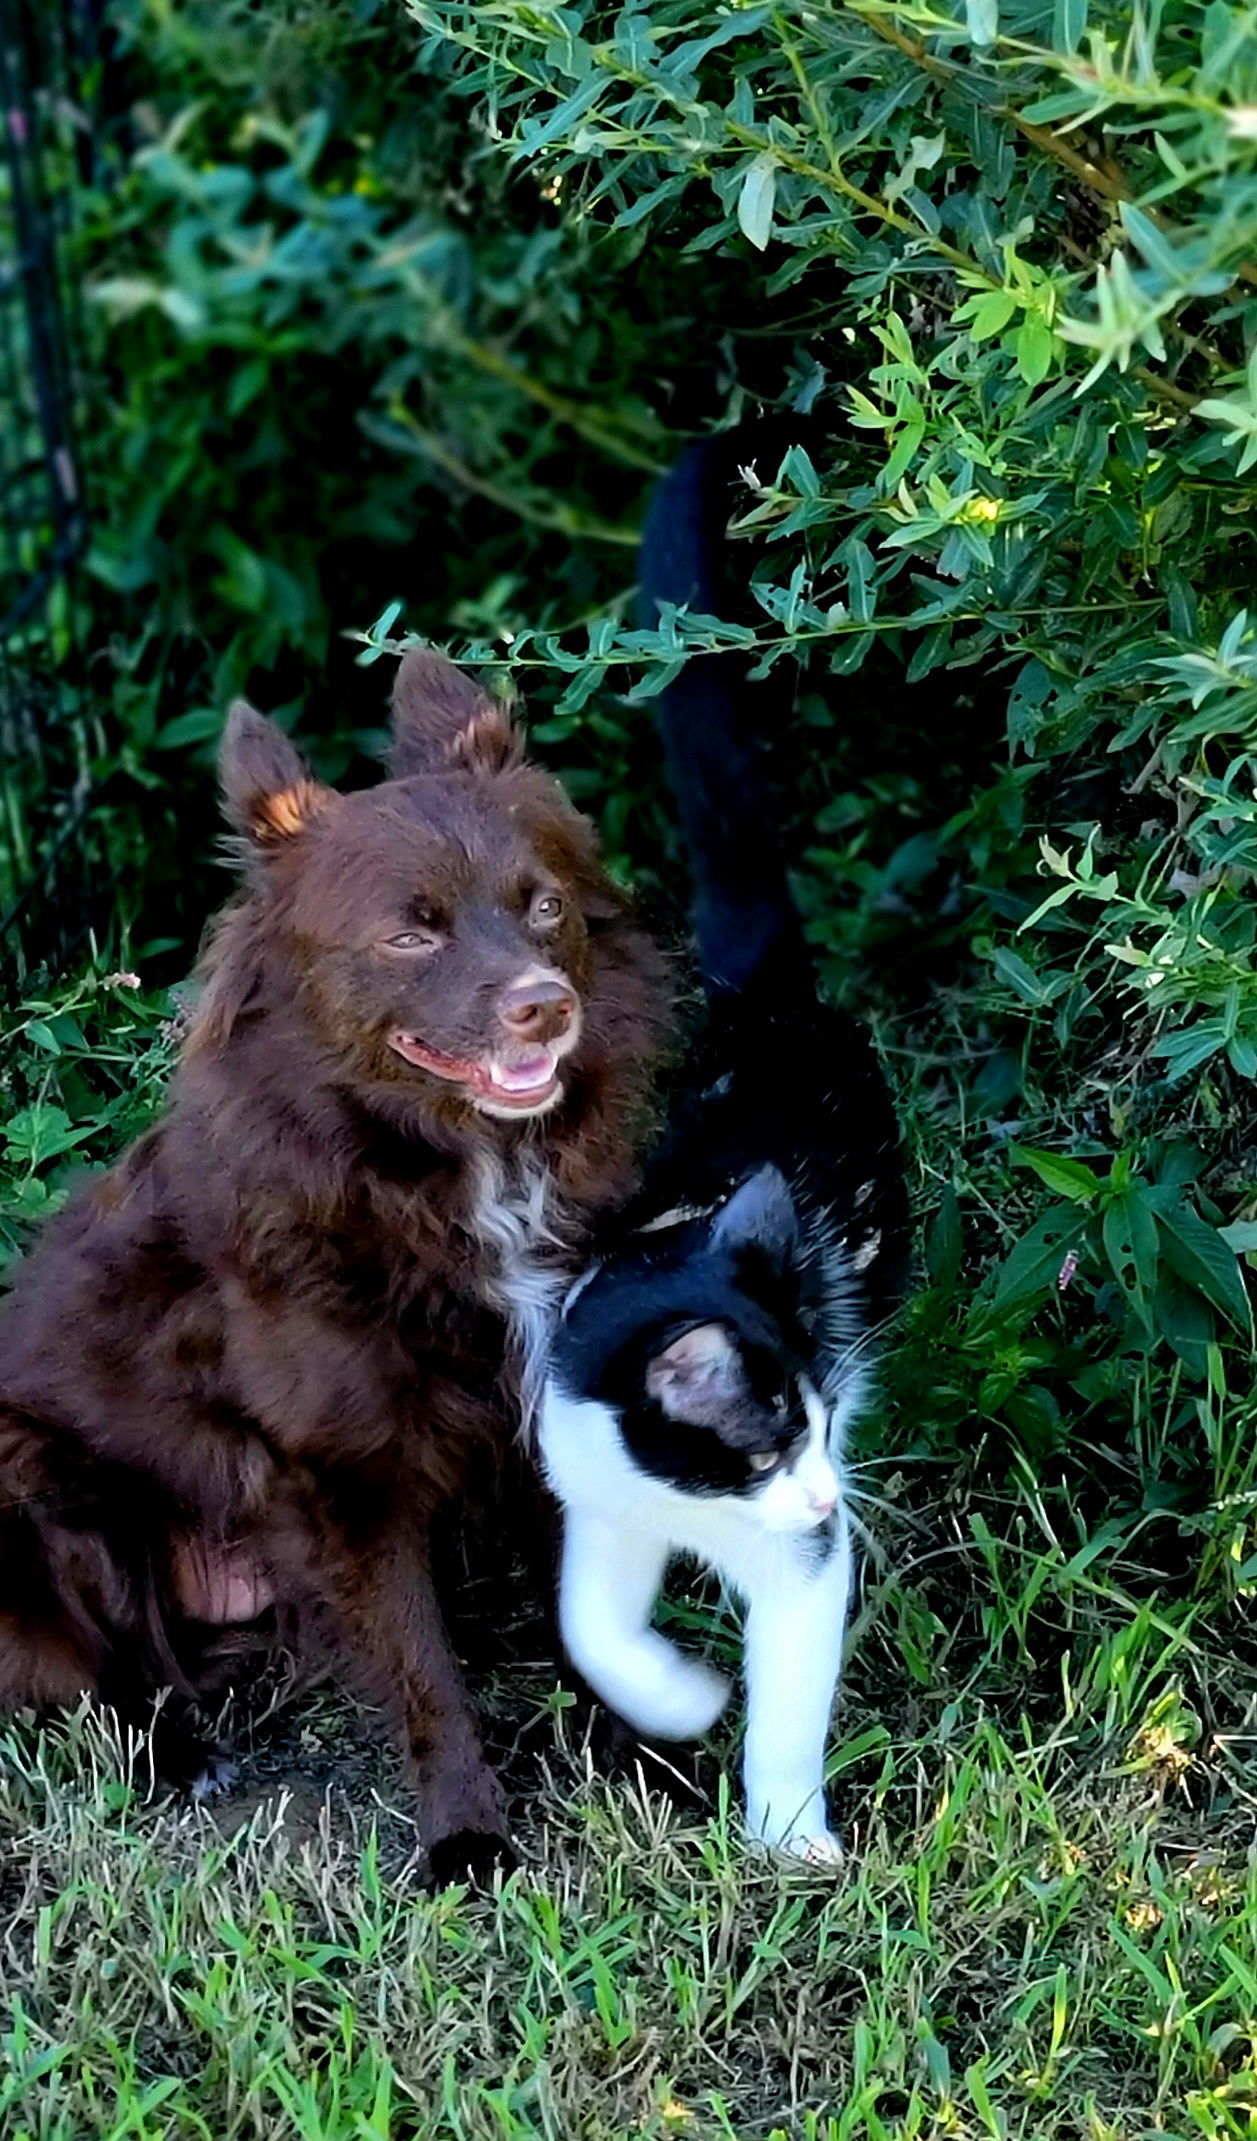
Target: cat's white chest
{"points": [[516, 1214]]}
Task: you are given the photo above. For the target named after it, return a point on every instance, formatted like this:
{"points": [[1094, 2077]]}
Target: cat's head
{"points": [[691, 1340]]}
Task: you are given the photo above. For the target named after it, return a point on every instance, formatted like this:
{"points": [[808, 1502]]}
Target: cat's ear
{"points": [[696, 1375], [760, 1215]]}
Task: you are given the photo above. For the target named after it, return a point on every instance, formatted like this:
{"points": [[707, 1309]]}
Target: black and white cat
{"points": [[706, 1366]]}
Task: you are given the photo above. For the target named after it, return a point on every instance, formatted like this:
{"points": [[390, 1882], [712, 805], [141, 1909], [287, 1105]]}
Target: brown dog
{"points": [[246, 1368]]}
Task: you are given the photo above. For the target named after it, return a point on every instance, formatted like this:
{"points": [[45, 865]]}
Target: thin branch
{"points": [[589, 423], [619, 657], [411, 437]]}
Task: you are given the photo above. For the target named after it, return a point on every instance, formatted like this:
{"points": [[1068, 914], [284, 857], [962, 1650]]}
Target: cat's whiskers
{"points": [[868, 1339]]}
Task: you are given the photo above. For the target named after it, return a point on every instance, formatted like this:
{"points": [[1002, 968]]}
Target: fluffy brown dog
{"points": [[248, 1367]]}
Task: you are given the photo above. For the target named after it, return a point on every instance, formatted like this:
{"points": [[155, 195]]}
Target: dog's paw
{"points": [[214, 1780], [186, 1761], [473, 1856]]}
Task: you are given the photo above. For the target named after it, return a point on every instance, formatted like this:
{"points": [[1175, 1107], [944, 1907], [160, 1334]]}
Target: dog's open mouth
{"points": [[520, 1083]]}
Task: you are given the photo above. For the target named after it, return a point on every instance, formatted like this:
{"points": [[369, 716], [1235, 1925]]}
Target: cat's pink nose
{"points": [[822, 1505]]}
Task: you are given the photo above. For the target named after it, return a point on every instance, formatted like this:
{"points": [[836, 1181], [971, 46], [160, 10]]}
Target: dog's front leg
{"points": [[396, 1635]]}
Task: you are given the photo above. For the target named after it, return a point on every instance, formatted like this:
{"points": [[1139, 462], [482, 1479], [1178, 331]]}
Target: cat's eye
{"points": [[762, 1460], [547, 909]]}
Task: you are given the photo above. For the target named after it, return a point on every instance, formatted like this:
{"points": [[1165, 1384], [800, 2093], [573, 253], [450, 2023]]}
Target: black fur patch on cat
{"points": [[781, 1089], [690, 1332]]}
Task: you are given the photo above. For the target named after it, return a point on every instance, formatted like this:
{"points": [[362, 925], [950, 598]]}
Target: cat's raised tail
{"points": [[713, 722]]}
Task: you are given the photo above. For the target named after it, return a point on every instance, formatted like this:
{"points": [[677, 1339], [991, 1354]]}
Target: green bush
{"points": [[1008, 259], [409, 309]]}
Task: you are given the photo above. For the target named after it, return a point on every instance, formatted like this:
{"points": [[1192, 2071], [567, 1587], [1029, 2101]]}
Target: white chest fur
{"points": [[516, 1215]]}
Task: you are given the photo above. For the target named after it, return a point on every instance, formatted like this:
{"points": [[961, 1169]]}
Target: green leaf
{"points": [[383, 626], [1203, 1260], [1032, 987], [905, 451], [1069, 1178], [1069, 23], [846, 1754], [198, 725], [1191, 1046], [982, 19], [246, 385], [755, 201], [937, 2063], [743, 23], [1056, 898], [536, 135], [989, 314], [1184, 1321], [1035, 347], [975, 2081], [40, 1133], [1035, 1262], [1152, 243], [1130, 1244], [944, 1242]]}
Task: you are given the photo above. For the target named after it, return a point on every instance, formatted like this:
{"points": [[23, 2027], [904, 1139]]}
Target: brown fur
{"points": [[269, 1343]]}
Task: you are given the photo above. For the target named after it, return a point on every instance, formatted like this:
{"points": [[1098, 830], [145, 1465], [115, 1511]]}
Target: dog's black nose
{"points": [[538, 1010]]}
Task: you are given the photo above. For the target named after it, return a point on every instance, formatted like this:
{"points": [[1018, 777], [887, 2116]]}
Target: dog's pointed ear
{"points": [[443, 720], [269, 791]]}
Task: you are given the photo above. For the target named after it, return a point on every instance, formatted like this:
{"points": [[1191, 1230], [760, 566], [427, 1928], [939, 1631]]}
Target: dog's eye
{"points": [[414, 940], [762, 1460], [547, 909]]}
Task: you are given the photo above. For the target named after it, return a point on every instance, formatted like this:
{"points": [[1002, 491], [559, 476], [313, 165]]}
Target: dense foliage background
{"points": [[407, 308]]}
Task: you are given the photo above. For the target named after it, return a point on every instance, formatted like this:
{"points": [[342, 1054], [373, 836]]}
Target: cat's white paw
{"points": [[821, 1849], [803, 1835], [683, 1703]]}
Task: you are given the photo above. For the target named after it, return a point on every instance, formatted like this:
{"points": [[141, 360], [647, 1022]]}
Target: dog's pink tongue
{"points": [[527, 1074]]}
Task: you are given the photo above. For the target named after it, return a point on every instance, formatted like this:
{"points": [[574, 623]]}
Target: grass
{"points": [[1047, 1924], [1044, 1763]]}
